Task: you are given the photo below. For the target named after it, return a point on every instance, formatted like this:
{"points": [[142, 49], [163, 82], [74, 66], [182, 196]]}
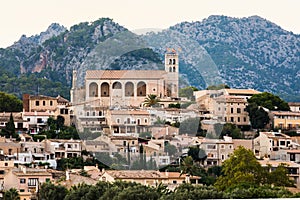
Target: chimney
{"points": [[26, 98], [24, 169], [67, 175]]}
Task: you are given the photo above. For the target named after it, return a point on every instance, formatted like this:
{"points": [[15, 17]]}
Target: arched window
{"points": [[170, 61], [117, 85], [174, 61], [129, 89], [93, 90], [141, 89], [170, 69], [104, 89], [174, 69]]}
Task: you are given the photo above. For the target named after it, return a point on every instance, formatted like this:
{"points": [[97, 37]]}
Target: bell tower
{"points": [[172, 69], [73, 89]]}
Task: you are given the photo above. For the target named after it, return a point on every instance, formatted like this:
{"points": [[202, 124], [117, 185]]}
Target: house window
{"points": [[22, 180], [44, 103], [33, 182], [211, 146], [118, 121], [146, 120], [231, 110], [37, 103], [238, 110], [6, 164], [232, 119], [223, 157], [222, 146], [282, 143], [28, 119], [39, 120], [51, 103], [174, 182], [239, 119], [124, 143]]}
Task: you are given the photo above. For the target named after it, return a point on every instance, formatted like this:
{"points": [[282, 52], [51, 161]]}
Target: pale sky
{"points": [[30, 17]]}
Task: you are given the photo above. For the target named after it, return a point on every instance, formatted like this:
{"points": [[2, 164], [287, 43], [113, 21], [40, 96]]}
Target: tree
{"points": [[170, 149], [11, 194], [187, 166], [259, 118], [231, 130], [197, 154], [278, 177], [269, 101], [241, 168], [49, 191], [187, 92], [9, 130], [218, 87], [190, 126], [151, 100], [10, 103]]}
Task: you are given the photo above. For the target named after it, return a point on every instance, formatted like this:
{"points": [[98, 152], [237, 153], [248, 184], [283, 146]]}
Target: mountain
{"points": [[249, 52]]}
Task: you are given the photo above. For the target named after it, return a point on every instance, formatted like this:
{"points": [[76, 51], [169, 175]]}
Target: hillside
{"points": [[247, 52]]}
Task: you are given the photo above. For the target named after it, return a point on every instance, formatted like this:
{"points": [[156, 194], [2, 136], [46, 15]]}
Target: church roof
{"points": [[124, 74]]}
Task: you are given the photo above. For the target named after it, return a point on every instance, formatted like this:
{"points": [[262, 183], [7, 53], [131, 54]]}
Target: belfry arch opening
{"points": [[129, 89], [141, 89], [93, 90], [104, 89]]}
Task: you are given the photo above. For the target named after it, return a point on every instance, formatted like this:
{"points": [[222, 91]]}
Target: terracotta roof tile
{"points": [[124, 74]]}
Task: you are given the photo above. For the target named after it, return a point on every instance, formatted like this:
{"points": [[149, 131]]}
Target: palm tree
{"points": [[151, 100], [11, 194]]}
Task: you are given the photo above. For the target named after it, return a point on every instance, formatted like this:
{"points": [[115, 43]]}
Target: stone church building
{"points": [[123, 88], [106, 90]]}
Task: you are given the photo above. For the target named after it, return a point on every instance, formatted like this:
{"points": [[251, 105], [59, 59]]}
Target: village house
{"points": [[26, 180], [216, 150], [21, 125], [268, 142], [148, 177], [285, 120], [63, 148], [54, 106], [128, 122]]}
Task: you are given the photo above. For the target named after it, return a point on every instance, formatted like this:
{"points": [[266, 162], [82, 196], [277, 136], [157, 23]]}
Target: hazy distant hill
{"points": [[241, 52]]}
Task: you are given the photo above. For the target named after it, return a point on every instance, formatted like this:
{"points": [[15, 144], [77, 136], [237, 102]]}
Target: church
{"points": [[127, 88]]}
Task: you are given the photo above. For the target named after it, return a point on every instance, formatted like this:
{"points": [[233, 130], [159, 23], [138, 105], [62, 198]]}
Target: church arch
{"points": [[141, 88], [129, 89], [104, 89], [117, 85], [93, 90]]}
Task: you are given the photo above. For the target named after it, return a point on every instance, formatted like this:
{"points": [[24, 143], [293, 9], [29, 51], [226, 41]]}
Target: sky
{"points": [[30, 17]]}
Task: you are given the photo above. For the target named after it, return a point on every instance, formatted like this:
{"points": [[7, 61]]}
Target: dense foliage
{"points": [[243, 170], [9, 130], [10, 103], [257, 104], [269, 101], [134, 191]]}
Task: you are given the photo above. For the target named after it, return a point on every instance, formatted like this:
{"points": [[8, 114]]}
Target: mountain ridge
{"points": [[248, 52]]}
